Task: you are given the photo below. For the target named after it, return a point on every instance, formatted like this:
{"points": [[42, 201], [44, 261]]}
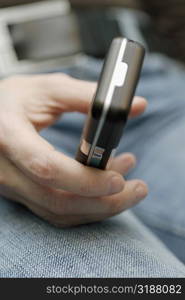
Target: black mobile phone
{"points": [[111, 105]]}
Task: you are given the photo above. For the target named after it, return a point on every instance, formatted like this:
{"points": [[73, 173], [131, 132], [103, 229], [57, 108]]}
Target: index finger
{"points": [[77, 94]]}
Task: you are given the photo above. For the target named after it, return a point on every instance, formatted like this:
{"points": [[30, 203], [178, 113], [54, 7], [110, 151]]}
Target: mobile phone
{"points": [[111, 105]]}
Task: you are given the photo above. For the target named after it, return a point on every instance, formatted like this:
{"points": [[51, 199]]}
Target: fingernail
{"points": [[141, 191], [137, 100], [116, 185], [129, 164]]}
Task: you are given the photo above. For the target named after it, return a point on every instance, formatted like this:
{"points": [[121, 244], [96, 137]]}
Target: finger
{"points": [[63, 208], [77, 95], [74, 210], [123, 163], [43, 164], [138, 107], [71, 93], [64, 204], [66, 209], [134, 192]]}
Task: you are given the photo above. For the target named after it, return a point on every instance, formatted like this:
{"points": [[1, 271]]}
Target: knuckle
{"points": [[114, 206], [43, 169], [60, 207], [87, 188], [54, 202]]}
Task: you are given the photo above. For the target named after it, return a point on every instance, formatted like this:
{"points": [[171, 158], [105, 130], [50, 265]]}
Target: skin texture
{"points": [[50, 184]]}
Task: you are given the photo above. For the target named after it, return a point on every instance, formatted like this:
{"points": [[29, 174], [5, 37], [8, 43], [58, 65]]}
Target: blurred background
{"points": [[45, 35]]}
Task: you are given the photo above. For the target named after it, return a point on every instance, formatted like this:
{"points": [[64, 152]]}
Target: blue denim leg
{"points": [[158, 141], [121, 246]]}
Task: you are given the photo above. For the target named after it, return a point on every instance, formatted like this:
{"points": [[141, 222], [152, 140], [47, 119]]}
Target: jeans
{"points": [[146, 241]]}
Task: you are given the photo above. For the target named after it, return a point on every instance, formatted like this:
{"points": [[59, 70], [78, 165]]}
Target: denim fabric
{"points": [[135, 243]]}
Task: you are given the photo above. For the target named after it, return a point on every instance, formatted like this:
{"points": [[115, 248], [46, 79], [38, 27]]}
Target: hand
{"points": [[52, 185]]}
